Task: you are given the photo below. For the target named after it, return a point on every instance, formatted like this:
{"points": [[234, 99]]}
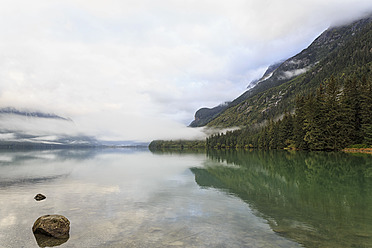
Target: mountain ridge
{"points": [[303, 68], [38, 114]]}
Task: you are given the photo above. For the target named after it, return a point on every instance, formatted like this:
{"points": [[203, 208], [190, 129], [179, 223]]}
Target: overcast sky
{"points": [[138, 70]]}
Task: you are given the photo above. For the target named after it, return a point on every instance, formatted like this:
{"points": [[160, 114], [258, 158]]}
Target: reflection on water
{"points": [[123, 198], [47, 241], [135, 198], [316, 199]]}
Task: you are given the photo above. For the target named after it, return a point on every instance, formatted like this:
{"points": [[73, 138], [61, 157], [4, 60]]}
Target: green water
{"points": [[315, 199], [135, 198]]}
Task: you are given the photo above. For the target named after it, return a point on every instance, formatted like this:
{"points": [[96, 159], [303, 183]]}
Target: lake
{"points": [[136, 198]]}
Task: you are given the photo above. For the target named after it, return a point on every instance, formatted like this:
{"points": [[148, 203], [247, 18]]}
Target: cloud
{"points": [[293, 73], [35, 126], [148, 63]]}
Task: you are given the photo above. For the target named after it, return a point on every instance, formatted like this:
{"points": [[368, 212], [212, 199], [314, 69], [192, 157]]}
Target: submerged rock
{"points": [[57, 226], [39, 197]]}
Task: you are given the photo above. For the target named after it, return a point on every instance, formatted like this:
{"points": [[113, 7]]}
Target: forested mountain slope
{"points": [[341, 52]]}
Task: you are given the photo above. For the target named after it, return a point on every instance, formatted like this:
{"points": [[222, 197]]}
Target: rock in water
{"points": [[39, 197], [57, 226]]}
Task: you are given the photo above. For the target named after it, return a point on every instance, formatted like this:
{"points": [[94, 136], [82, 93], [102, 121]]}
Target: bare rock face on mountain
{"points": [[56, 226]]}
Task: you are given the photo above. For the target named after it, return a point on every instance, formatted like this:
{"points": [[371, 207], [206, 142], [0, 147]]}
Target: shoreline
{"points": [[358, 150]]}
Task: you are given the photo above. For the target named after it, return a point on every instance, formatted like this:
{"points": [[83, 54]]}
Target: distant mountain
{"points": [[337, 51], [204, 115], [20, 129], [35, 129], [22, 141], [10, 110], [124, 143]]}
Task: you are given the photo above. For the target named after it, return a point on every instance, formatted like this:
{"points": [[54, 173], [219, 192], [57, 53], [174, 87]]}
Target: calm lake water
{"points": [[135, 198]]}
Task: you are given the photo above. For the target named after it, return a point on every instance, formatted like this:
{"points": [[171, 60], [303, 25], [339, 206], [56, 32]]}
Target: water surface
{"points": [[135, 198]]}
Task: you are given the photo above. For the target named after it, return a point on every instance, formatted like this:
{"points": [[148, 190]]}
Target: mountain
{"points": [[204, 115], [21, 129], [35, 129], [10, 110], [15, 140], [268, 73], [338, 51]]}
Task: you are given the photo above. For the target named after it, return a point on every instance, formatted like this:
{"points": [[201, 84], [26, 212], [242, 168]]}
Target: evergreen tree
{"points": [[330, 119], [366, 109], [332, 124], [314, 120], [272, 134], [351, 111], [285, 131], [298, 124]]}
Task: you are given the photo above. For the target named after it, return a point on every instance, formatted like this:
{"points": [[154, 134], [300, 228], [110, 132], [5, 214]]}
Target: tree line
{"points": [[337, 115], [176, 144]]}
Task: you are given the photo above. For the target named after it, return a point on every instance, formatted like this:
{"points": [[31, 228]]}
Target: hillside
{"points": [[205, 115], [339, 51]]}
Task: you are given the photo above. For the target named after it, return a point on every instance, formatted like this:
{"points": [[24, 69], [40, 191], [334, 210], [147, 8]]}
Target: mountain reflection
{"points": [[316, 199], [30, 166]]}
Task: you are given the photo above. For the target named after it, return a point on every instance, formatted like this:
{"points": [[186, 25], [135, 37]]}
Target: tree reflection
{"points": [[317, 199], [47, 241]]}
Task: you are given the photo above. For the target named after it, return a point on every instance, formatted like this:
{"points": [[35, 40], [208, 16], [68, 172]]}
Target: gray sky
{"points": [[138, 70]]}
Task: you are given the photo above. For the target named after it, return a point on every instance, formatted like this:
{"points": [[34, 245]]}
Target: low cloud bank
{"points": [[39, 130], [94, 128]]}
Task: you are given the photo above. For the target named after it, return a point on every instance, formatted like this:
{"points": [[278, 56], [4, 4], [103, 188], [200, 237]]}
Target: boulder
{"points": [[39, 197], [57, 226]]}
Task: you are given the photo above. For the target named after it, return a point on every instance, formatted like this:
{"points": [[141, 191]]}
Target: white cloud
{"points": [[147, 66], [35, 126], [293, 73]]}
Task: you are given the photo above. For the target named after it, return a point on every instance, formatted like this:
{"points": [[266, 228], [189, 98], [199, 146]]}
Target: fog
{"points": [[45, 130], [139, 70]]}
